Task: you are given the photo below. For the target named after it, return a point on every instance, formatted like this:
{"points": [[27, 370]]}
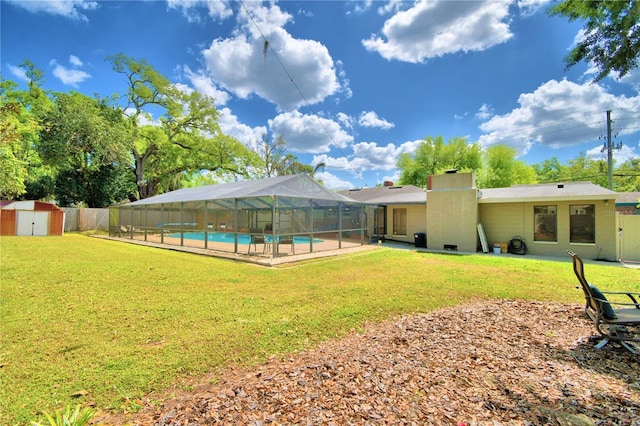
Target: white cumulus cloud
{"points": [[285, 71], [68, 8], [75, 61], [367, 156], [17, 72], [432, 28], [191, 8], [203, 84], [309, 133], [69, 76], [331, 181], [484, 112], [371, 119], [561, 113], [230, 125]]}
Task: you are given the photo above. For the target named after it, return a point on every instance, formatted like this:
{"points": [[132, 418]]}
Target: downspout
{"points": [[235, 225], [274, 243], [161, 222], [182, 224], [311, 225], [146, 225], [339, 224], [205, 224]]}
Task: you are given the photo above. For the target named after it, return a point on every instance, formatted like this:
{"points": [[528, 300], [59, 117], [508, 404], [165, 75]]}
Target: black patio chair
{"points": [[615, 321]]}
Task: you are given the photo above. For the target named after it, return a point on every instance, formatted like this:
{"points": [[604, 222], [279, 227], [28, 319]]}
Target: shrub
{"points": [[68, 417]]}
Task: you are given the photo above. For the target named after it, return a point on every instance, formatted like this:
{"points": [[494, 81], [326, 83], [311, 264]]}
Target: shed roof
{"points": [[29, 205], [547, 192], [297, 186], [402, 194]]}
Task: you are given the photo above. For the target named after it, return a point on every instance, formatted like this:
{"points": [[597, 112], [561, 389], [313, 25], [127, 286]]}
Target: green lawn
{"points": [[115, 321]]}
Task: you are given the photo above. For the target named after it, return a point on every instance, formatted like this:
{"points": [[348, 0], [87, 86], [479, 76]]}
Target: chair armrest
{"points": [[626, 293]]}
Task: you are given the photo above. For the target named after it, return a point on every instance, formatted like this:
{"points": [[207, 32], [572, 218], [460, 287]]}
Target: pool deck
{"points": [[259, 255]]}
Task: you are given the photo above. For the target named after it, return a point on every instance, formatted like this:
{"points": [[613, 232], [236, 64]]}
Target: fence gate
{"points": [[629, 238]]}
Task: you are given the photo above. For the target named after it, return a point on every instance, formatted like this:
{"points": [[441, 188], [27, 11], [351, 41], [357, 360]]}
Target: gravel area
{"points": [[487, 362]]}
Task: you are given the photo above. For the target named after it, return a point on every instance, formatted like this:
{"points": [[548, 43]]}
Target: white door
{"points": [[32, 223]]}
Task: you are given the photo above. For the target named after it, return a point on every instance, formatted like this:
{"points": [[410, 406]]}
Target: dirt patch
{"points": [[514, 362]]}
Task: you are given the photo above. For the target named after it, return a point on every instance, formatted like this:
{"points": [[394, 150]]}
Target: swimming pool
{"points": [[227, 237]]}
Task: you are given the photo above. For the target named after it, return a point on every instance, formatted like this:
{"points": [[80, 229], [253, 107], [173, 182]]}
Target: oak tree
{"points": [[185, 138]]}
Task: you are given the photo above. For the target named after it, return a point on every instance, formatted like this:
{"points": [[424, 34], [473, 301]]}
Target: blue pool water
{"points": [[227, 237]]}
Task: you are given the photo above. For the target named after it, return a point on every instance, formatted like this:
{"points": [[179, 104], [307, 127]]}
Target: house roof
{"points": [[401, 194], [546, 192], [297, 186], [630, 198]]}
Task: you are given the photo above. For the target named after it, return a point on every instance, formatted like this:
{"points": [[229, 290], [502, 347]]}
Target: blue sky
{"points": [[371, 78]]}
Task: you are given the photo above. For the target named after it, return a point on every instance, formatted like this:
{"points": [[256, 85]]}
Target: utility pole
{"points": [[609, 151], [610, 147]]}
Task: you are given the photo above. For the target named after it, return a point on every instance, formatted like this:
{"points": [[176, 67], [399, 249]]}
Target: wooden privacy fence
{"points": [[85, 219]]}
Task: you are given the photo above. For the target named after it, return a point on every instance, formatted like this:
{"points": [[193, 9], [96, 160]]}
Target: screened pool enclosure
{"points": [[268, 217]]}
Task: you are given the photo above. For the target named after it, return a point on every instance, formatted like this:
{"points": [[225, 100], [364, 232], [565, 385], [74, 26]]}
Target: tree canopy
{"points": [[272, 159], [186, 139], [84, 138], [611, 38], [498, 166], [502, 168], [20, 126], [434, 156]]}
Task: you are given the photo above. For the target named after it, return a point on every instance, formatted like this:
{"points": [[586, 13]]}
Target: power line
{"points": [[268, 47]]}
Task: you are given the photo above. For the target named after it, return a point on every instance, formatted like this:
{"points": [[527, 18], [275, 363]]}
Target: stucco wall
{"points": [[416, 222], [452, 219], [503, 221], [452, 212]]}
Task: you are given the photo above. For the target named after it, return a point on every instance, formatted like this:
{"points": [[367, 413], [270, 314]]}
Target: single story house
{"points": [[550, 218], [398, 211], [553, 218]]}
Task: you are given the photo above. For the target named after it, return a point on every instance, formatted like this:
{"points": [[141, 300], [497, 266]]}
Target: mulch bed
{"points": [[489, 362]]}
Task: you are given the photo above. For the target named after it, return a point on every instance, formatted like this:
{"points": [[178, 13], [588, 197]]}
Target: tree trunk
{"points": [[146, 188]]}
